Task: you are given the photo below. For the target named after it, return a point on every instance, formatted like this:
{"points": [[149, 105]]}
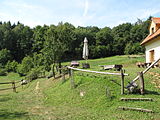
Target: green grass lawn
{"points": [[48, 99]]}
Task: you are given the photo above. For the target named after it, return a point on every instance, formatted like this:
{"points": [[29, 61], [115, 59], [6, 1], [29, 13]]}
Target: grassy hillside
{"points": [[52, 99]]}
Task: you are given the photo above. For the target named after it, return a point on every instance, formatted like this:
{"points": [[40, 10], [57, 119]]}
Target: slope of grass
{"points": [[52, 99]]}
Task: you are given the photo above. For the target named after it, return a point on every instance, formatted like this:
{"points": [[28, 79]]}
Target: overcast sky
{"points": [[99, 13]]}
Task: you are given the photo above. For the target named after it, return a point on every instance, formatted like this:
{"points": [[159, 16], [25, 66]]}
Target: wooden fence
{"points": [[141, 78], [71, 75], [13, 84]]}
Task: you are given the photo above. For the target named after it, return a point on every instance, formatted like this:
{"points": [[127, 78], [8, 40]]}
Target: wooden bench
{"points": [[145, 65], [74, 64], [108, 67]]}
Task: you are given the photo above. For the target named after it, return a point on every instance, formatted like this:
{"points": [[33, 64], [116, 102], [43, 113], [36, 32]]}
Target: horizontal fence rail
{"points": [[6, 89], [10, 82], [13, 85], [71, 74], [98, 72]]}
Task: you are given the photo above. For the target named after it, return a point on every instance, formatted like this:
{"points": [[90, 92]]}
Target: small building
{"points": [[152, 41]]}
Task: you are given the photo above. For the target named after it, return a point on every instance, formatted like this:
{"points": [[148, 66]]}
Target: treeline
{"points": [[45, 45]]}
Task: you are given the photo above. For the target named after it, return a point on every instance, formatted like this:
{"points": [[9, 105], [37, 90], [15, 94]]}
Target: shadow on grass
{"points": [[151, 92], [5, 115], [146, 92], [78, 84], [4, 99]]}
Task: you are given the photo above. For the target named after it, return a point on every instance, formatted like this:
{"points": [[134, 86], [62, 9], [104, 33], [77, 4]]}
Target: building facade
{"points": [[152, 41]]}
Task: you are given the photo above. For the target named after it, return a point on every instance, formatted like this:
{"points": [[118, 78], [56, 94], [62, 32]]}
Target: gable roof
{"points": [[156, 20], [155, 34], [151, 37]]}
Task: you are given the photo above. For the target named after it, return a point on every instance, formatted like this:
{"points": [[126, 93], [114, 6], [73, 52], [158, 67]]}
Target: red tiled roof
{"points": [[150, 37], [156, 20]]}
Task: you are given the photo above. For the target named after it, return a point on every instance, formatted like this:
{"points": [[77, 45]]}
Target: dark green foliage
{"points": [[3, 72], [23, 36], [48, 45], [5, 56], [25, 66], [35, 73], [11, 66], [133, 48]]}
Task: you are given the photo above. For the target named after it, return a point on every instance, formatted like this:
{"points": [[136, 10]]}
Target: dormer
{"points": [[155, 25]]}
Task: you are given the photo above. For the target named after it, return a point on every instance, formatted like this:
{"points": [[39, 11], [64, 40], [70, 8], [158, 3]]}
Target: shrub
{"points": [[11, 66], [38, 60], [34, 73], [25, 66], [20, 70], [3, 72], [5, 56]]}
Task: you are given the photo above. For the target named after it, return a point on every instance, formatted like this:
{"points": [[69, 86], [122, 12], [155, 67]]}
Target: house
{"points": [[152, 41]]}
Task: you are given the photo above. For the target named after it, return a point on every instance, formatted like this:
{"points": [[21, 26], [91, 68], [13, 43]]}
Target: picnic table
{"points": [[108, 67], [74, 64]]}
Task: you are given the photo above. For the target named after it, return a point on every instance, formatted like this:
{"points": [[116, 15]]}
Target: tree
{"points": [[5, 56], [25, 66], [58, 43], [121, 36], [39, 34], [23, 35]]}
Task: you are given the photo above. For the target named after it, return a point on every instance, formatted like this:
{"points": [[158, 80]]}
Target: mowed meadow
{"points": [[54, 99]]}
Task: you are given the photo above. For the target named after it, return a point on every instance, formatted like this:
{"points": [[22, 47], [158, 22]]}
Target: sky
{"points": [[99, 13]]}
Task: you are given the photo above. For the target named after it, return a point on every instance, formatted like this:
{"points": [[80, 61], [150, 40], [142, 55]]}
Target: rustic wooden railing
{"points": [[140, 77], [13, 85], [71, 74]]}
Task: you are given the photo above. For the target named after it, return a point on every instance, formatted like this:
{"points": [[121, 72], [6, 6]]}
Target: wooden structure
{"points": [[74, 64], [85, 65], [152, 41], [135, 109], [71, 73], [108, 67], [140, 77], [13, 85], [136, 99], [141, 83]]}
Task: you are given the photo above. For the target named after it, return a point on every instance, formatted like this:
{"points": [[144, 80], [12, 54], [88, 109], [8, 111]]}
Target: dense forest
{"points": [[23, 48]]}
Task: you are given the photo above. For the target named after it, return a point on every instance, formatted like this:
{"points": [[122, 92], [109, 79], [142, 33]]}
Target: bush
{"points": [[34, 73], [5, 56], [38, 60], [11, 66], [25, 66], [3, 72], [133, 48], [20, 70]]}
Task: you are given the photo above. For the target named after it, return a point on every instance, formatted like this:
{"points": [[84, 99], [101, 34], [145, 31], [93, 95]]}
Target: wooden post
{"points": [[72, 78], [135, 109], [69, 72], [122, 82], [136, 99], [108, 92], [135, 79], [63, 76], [141, 80], [13, 86]]}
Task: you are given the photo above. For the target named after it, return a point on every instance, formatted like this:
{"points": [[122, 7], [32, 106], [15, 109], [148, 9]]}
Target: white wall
{"points": [[153, 25], [153, 46]]}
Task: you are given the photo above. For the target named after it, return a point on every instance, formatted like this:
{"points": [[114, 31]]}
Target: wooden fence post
{"points": [[13, 86], [141, 81], [72, 78], [63, 76], [122, 82]]}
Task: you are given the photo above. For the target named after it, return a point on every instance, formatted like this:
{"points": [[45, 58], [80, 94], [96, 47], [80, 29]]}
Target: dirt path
{"points": [[38, 108]]}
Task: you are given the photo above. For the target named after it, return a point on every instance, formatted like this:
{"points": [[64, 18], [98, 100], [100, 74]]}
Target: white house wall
{"points": [[153, 46], [153, 25]]}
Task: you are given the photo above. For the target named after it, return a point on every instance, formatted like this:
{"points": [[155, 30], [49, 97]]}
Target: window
{"points": [[152, 31]]}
